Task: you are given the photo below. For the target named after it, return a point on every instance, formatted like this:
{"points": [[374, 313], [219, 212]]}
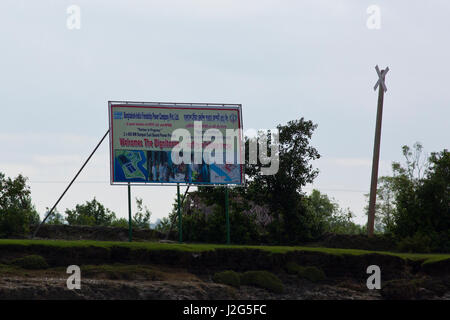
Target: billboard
{"points": [[144, 143]]}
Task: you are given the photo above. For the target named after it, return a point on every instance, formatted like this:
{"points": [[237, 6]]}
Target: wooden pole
{"points": [[376, 153]]}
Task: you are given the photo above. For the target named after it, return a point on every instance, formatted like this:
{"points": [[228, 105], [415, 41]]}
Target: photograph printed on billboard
{"points": [[141, 143]]}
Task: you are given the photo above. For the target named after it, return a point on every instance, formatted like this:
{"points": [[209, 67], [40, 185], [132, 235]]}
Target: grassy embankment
{"points": [[426, 258]]}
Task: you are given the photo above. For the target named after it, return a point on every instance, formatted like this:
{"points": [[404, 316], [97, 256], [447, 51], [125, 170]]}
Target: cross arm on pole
{"points": [[381, 78]]}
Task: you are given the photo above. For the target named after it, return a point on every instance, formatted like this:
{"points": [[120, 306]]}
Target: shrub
{"points": [[32, 262], [17, 212], [313, 274], [310, 273], [292, 268], [417, 243], [210, 226], [228, 277], [262, 279]]}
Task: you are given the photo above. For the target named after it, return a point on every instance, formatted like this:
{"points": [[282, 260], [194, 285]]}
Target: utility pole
{"points": [[376, 148]]}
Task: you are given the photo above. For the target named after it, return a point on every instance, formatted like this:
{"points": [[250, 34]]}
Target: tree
{"points": [[142, 216], [17, 212], [92, 213], [423, 204], [204, 218], [163, 225], [384, 205], [56, 218], [121, 223], [415, 200], [276, 200], [282, 192], [328, 217]]}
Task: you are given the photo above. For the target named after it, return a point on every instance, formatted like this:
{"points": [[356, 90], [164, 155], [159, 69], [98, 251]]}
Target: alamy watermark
{"points": [[374, 20], [374, 281], [211, 147], [74, 280], [73, 21]]}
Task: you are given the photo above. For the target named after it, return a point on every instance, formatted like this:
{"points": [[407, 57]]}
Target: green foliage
{"points": [[32, 262], [204, 218], [270, 208], [28, 245], [229, 277], [328, 217], [262, 279], [310, 273], [163, 225], [92, 213], [121, 223], [141, 218], [417, 243], [16, 210], [384, 205], [56, 218], [417, 197], [292, 267], [282, 191]]}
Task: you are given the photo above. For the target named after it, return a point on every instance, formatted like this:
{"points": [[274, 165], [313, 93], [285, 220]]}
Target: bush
{"points": [[311, 273], [32, 262], [16, 210], [229, 277], [262, 279], [292, 268], [92, 213], [211, 227], [417, 243]]}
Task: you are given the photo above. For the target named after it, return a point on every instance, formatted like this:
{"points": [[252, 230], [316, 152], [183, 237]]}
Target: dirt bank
{"points": [[155, 271]]}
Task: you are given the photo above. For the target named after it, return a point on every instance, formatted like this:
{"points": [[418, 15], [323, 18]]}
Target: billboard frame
{"points": [[177, 105]]}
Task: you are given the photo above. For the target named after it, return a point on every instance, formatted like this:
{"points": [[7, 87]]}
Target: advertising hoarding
{"points": [[141, 143]]}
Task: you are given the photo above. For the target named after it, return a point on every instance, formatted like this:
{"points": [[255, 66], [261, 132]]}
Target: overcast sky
{"points": [[282, 60]]}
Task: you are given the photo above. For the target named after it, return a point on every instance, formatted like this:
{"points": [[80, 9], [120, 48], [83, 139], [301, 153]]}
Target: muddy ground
{"points": [[120, 272], [172, 284], [157, 282]]}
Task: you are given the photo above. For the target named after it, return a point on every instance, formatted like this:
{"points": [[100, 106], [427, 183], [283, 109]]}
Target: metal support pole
{"points": [[173, 220], [227, 216], [180, 224], [130, 228], [376, 153], [70, 184]]}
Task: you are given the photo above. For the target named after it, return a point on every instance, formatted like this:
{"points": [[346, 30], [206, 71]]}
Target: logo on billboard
{"points": [[118, 115]]}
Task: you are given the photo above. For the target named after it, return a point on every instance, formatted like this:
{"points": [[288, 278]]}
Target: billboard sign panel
{"points": [[143, 136]]}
